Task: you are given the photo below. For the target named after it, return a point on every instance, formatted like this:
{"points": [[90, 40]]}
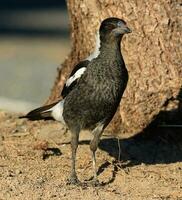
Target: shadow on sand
{"points": [[155, 145]]}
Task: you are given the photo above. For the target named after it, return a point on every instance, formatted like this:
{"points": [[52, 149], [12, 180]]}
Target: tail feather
{"points": [[43, 112]]}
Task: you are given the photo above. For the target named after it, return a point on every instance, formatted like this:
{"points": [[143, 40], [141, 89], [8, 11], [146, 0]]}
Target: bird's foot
{"points": [[95, 183], [73, 180]]}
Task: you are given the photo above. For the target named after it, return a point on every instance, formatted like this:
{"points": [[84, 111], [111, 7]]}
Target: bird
{"points": [[92, 93]]}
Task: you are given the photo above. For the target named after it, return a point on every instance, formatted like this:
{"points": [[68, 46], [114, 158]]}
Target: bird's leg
{"points": [[97, 132], [94, 165], [74, 145]]}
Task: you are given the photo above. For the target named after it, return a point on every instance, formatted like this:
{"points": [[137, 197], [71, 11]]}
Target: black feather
{"points": [[40, 113], [67, 89]]}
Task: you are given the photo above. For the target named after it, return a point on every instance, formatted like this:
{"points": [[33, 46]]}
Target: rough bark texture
{"points": [[152, 55]]}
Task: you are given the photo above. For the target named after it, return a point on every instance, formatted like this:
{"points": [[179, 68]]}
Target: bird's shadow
{"points": [[155, 145]]}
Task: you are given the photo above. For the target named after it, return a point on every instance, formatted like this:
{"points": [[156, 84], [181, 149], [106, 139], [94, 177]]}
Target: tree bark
{"points": [[152, 54]]}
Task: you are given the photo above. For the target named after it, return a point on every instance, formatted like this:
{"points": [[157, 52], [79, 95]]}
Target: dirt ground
{"points": [[35, 163]]}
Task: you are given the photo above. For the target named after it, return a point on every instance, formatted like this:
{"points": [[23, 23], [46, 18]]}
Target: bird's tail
{"points": [[45, 112]]}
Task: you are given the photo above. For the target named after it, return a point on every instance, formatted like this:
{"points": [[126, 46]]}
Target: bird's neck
{"points": [[111, 47]]}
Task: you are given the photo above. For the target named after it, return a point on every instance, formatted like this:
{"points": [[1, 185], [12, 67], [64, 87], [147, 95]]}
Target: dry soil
{"points": [[35, 163]]}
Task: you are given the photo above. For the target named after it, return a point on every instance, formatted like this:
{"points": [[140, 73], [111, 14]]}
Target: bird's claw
{"points": [[95, 183], [73, 181]]}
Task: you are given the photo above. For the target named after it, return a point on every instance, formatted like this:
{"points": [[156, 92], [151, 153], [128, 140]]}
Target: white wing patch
{"points": [[76, 75], [96, 51], [93, 55]]}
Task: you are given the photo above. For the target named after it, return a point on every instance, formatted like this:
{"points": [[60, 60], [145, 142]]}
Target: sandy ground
{"points": [[35, 163]]}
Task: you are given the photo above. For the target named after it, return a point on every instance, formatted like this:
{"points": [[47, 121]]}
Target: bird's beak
{"points": [[127, 30], [122, 30]]}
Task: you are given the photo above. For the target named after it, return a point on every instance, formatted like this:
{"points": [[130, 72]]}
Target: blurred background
{"points": [[34, 40]]}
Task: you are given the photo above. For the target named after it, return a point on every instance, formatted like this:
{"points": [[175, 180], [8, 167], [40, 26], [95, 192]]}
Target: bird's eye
{"points": [[119, 24], [110, 26]]}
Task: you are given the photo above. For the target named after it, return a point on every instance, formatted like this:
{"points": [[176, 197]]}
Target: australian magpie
{"points": [[93, 91]]}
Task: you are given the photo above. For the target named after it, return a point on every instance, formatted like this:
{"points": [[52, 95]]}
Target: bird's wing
{"points": [[75, 75], [55, 110]]}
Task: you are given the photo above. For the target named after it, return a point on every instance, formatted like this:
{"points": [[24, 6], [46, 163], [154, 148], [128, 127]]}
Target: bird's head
{"points": [[114, 28]]}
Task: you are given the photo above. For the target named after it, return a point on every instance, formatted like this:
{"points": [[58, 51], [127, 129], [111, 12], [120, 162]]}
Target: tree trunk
{"points": [[151, 53]]}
